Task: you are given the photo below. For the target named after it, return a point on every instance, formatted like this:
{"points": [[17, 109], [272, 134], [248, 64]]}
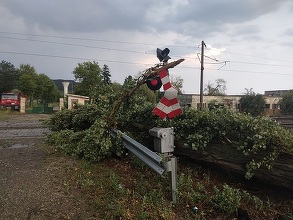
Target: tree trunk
{"points": [[229, 158]]}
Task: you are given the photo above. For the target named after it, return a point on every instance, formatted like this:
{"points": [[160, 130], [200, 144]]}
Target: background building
{"points": [[229, 101]]}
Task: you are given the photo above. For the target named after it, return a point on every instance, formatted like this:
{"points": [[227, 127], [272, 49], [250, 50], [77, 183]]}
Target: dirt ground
{"points": [[33, 177]]}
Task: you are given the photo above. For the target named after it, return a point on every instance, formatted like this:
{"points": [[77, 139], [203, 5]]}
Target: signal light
{"points": [[154, 82], [162, 55]]}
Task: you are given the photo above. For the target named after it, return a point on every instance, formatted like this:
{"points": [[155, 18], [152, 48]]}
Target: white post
{"points": [[61, 104], [65, 86], [22, 105]]}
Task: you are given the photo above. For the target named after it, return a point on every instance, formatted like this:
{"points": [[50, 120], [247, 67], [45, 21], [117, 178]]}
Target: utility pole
{"points": [[201, 75]]}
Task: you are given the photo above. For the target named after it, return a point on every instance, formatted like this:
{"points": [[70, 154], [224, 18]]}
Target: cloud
{"points": [[210, 17], [237, 30], [98, 16], [289, 32], [85, 16]]}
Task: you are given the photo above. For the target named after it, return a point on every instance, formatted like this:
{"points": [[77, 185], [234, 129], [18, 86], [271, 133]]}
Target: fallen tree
{"points": [[228, 158], [253, 147]]}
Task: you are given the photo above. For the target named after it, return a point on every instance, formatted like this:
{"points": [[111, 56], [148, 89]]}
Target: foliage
{"points": [[129, 191], [106, 75], [91, 144], [27, 69], [223, 198], [252, 103], [8, 77], [81, 132], [36, 86], [215, 104], [89, 76], [286, 103], [143, 92], [46, 90], [260, 139], [218, 88], [78, 119], [227, 199], [28, 84]]}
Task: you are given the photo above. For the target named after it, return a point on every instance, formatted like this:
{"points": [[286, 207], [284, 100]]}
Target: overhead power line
{"points": [[223, 63], [70, 57], [265, 58], [70, 44], [133, 63], [86, 46], [249, 71], [76, 38], [134, 43], [93, 40]]}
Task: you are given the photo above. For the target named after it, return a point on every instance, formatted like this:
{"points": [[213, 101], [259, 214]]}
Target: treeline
{"points": [[27, 82]]}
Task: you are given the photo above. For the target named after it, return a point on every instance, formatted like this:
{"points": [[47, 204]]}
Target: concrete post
{"points": [[22, 105], [65, 86], [61, 104]]}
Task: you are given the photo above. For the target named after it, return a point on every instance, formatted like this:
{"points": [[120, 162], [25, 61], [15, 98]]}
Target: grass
{"points": [[123, 189], [6, 113]]}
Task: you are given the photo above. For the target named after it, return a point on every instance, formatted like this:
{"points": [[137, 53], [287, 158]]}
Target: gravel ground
{"points": [[33, 178]]}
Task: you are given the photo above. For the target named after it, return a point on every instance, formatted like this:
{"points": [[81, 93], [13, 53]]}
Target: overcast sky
{"points": [[249, 43]]}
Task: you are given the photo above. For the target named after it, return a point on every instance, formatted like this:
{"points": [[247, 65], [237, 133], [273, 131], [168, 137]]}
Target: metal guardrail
{"points": [[149, 157], [152, 159]]}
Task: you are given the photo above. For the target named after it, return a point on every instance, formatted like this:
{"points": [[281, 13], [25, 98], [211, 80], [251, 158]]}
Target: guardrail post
{"points": [[164, 143], [171, 166]]}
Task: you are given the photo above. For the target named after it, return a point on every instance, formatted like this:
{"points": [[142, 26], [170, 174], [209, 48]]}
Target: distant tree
{"points": [[286, 103], [177, 82], [129, 82], [89, 76], [47, 90], [106, 75], [27, 82], [149, 95], [27, 69], [144, 92], [219, 88], [252, 103], [8, 77]]}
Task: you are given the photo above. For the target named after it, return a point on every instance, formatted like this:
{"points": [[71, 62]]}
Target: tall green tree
{"points": [[106, 75], [8, 77], [47, 90], [252, 103], [89, 78], [286, 103], [27, 69], [27, 82]]}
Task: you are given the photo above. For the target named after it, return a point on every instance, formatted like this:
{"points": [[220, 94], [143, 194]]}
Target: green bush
{"points": [[92, 144], [260, 138], [81, 117]]}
